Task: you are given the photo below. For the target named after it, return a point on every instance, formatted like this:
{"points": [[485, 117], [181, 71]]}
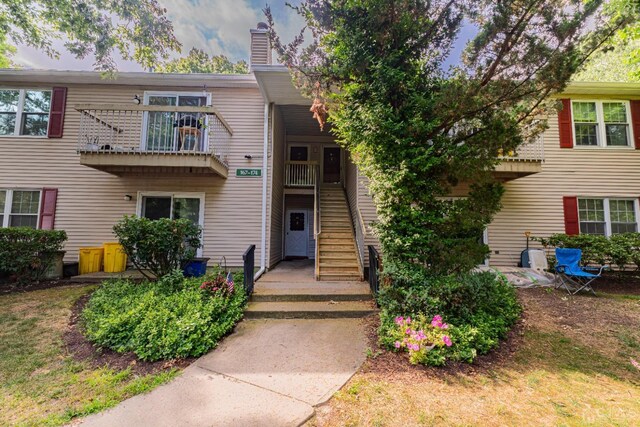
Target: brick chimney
{"points": [[260, 46]]}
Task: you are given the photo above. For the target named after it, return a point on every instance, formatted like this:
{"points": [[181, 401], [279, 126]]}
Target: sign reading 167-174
{"points": [[249, 173]]}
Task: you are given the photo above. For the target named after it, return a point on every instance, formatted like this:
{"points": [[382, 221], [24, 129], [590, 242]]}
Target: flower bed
{"points": [[172, 318], [441, 318]]}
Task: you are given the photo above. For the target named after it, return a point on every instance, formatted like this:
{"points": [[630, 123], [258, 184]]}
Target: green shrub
{"points": [[619, 250], [159, 246], [167, 319], [480, 309], [27, 253]]}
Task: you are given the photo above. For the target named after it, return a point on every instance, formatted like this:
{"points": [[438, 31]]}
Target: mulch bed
{"points": [[389, 364], [626, 283], [84, 351]]}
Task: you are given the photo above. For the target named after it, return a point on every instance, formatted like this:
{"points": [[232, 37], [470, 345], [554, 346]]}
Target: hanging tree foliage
{"points": [[417, 127]]}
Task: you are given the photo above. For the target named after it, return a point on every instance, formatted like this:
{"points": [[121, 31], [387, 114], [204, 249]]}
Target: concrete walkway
{"points": [[269, 372]]}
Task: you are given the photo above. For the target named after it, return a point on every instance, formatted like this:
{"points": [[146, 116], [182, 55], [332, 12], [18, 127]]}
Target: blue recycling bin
{"points": [[197, 267]]}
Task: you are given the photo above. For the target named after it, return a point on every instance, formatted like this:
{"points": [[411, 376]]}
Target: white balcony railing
{"points": [[532, 151], [153, 129], [300, 174]]}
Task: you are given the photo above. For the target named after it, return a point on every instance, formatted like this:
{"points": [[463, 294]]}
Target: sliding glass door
{"points": [[169, 131]]}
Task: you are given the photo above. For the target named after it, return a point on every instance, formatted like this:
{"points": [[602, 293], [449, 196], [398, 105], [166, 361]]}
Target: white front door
{"points": [[297, 233]]}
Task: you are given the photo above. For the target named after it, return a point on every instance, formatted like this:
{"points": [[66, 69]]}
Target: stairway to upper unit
{"points": [[337, 253]]}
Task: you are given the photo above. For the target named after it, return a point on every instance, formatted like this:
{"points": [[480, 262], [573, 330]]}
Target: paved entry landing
{"points": [[267, 373]]}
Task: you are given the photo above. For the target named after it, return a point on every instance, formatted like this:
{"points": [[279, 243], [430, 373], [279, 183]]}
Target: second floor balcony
{"points": [[527, 159], [134, 139]]}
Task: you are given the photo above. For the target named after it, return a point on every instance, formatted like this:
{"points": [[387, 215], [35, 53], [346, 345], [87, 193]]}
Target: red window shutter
{"points": [[635, 122], [564, 124], [48, 208], [56, 115], [571, 222]]}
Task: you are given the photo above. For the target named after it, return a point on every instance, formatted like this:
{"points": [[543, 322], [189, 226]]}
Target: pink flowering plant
{"points": [[420, 335], [219, 285]]}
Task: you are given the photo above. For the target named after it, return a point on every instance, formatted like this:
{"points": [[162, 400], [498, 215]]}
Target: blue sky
{"points": [[217, 26]]}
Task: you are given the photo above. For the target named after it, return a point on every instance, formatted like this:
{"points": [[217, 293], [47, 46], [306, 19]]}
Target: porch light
{"points": [[136, 99], [127, 197]]}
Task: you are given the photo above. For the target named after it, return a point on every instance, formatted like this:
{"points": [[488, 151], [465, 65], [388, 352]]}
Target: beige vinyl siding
{"points": [[534, 203], [90, 201], [277, 189]]}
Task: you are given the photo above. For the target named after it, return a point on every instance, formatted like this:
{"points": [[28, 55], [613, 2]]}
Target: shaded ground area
{"points": [[40, 382], [567, 363]]}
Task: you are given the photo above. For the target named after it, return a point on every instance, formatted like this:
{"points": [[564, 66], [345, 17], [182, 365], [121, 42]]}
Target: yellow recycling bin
{"points": [[115, 260], [90, 260]]}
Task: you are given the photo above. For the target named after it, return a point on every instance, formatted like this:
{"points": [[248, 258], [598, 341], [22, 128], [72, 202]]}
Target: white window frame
{"points": [[607, 211], [145, 101], [601, 135], [8, 202], [173, 195], [18, 125]]}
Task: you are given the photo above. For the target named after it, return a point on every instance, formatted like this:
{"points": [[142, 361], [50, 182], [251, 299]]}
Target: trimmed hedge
{"points": [[27, 253], [172, 318], [619, 250]]}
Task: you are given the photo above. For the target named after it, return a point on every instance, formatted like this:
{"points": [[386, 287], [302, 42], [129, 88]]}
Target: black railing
{"points": [[374, 269], [249, 264]]}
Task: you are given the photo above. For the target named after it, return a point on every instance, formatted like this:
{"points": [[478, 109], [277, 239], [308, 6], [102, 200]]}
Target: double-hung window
{"points": [[24, 111], [19, 208], [601, 123], [607, 216]]}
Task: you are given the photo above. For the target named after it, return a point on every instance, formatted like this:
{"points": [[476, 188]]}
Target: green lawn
{"points": [[571, 368], [39, 383]]}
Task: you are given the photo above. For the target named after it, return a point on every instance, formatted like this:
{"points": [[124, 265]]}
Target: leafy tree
{"points": [[6, 52], [619, 59], [417, 128], [198, 61], [138, 29]]}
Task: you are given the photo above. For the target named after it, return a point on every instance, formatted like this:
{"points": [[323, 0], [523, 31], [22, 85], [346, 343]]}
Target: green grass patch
{"points": [[39, 383]]}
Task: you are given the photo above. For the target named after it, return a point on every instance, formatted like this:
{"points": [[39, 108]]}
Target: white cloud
{"points": [[216, 26]]}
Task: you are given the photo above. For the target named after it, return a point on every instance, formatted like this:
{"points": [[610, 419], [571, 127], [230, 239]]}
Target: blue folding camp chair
{"points": [[572, 276]]}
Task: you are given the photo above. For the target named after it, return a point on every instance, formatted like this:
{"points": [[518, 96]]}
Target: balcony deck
{"points": [[146, 139], [526, 160]]}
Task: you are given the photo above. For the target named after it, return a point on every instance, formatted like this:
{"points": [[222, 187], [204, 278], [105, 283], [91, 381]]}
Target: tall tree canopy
{"points": [[418, 128], [619, 59], [198, 61], [138, 29]]}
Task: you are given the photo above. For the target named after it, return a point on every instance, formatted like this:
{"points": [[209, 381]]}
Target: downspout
{"points": [[263, 234]]}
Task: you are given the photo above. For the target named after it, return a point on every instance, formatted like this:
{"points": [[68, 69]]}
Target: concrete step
{"points": [[306, 297], [309, 309]]}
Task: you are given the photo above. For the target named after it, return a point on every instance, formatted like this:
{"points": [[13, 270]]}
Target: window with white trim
{"points": [[601, 123], [24, 111], [19, 208], [607, 216]]}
